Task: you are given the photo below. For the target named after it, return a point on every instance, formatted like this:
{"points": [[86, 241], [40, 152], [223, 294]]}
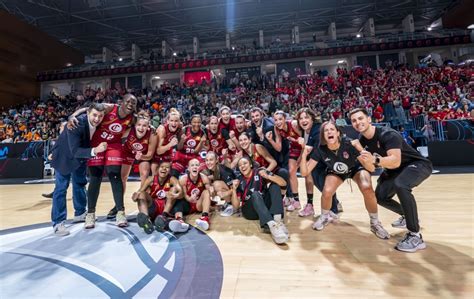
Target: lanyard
{"points": [[248, 182]]}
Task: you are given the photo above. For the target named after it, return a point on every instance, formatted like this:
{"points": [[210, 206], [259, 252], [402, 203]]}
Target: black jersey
{"points": [[247, 186], [224, 173], [342, 161], [386, 139]]}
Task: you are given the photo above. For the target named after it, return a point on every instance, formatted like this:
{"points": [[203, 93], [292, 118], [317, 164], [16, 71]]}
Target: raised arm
{"points": [[266, 155], [151, 147], [306, 166]]}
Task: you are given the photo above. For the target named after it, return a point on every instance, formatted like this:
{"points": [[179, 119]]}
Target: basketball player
{"points": [[197, 190], [156, 195], [259, 192], [256, 152], [215, 139], [233, 136], [117, 120], [404, 169], [340, 158], [190, 145], [168, 135], [226, 125], [288, 129], [140, 145], [221, 177]]}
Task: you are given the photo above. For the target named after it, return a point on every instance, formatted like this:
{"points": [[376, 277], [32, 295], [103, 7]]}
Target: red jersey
{"points": [[230, 126], [133, 145], [216, 142], [256, 157], [167, 138], [160, 191], [191, 140], [111, 128], [194, 188], [292, 133]]}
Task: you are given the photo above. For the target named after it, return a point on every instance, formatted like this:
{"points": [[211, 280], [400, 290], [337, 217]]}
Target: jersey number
{"points": [[106, 136]]}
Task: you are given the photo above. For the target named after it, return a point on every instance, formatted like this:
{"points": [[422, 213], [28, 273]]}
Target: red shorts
{"points": [[193, 207], [112, 156], [295, 153], [127, 158], [162, 158]]}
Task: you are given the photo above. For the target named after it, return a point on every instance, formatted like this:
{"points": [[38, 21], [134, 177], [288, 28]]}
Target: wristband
{"points": [[377, 161]]}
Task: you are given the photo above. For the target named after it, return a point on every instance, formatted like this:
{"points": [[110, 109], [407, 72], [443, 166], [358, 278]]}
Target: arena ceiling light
{"points": [[341, 61], [156, 77], [120, 59], [68, 64], [470, 26], [175, 54], [358, 35]]}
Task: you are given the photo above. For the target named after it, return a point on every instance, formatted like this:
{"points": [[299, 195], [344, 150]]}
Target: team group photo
{"points": [[237, 149]]}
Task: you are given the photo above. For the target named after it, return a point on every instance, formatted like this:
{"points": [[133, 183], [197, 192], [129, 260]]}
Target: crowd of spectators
{"points": [[392, 95]]}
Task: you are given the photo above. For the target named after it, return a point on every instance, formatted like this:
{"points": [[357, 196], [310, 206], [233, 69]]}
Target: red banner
{"points": [[192, 78]]}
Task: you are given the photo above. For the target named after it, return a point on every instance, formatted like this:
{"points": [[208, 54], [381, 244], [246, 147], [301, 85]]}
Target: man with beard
{"points": [[117, 120], [405, 169]]}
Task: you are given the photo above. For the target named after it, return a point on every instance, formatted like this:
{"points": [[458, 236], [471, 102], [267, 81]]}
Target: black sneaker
{"points": [[47, 195], [145, 223], [112, 213], [161, 223]]}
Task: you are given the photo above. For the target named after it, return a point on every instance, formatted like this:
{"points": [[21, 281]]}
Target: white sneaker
{"points": [[229, 211], [411, 243], [178, 226], [216, 199], [322, 221], [277, 232], [90, 221], [60, 230], [121, 219], [400, 222], [294, 205], [284, 228], [379, 231], [80, 218]]}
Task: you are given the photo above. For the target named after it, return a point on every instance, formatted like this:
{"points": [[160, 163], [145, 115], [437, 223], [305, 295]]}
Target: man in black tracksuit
{"points": [[405, 168]]}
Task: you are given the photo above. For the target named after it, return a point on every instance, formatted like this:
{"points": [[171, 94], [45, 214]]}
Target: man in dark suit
{"points": [[69, 157]]}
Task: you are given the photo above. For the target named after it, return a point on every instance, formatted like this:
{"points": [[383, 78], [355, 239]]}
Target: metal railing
{"points": [[275, 48]]}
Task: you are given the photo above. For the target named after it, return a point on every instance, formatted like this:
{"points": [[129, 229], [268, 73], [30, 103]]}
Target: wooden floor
{"points": [[345, 260]]}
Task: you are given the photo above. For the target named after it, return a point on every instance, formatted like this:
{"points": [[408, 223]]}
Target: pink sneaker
{"points": [[307, 211], [294, 205]]}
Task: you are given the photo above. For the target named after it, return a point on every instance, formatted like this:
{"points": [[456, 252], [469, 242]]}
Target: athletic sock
{"points": [[277, 217], [310, 198], [416, 234], [324, 213], [205, 214], [374, 217], [296, 197]]}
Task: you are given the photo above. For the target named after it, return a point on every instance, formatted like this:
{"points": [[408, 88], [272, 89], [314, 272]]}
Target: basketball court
{"points": [[234, 259]]}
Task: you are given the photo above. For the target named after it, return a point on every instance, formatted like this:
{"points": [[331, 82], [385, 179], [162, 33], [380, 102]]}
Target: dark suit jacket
{"points": [[72, 149], [313, 139], [267, 126]]}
